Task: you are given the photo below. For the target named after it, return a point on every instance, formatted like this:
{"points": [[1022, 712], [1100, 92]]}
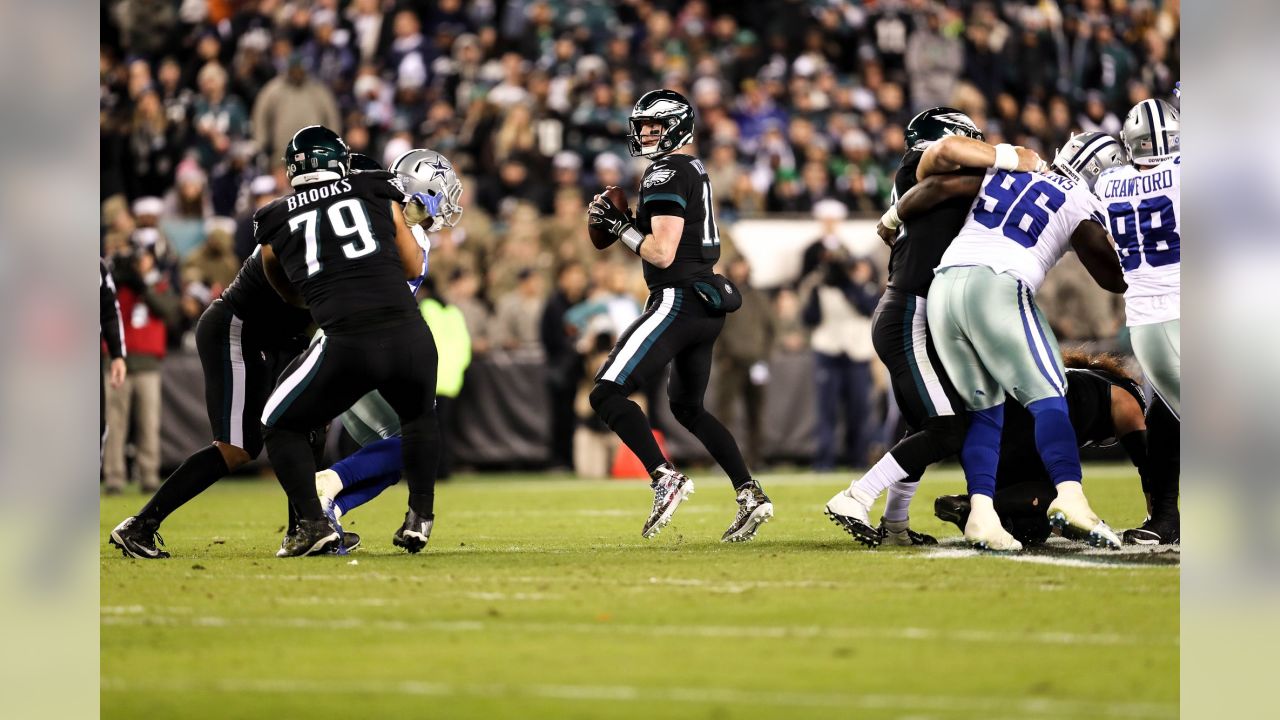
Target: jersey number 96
{"points": [[1023, 215]]}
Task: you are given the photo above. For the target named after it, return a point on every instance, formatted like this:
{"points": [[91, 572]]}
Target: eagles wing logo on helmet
{"points": [[957, 119], [657, 177], [662, 108]]}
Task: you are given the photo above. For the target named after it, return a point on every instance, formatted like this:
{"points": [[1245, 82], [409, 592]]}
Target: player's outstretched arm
{"points": [[952, 153], [926, 194], [410, 252], [1094, 248], [279, 280]]}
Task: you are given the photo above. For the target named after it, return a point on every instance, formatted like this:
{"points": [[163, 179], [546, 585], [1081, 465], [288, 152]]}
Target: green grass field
{"points": [[538, 598]]}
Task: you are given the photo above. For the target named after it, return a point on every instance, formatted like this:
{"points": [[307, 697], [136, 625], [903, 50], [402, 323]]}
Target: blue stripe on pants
{"points": [[653, 337], [1031, 343], [909, 348]]}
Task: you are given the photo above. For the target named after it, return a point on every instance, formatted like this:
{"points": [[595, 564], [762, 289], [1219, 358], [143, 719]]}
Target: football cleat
{"points": [[851, 510], [138, 539], [754, 510], [415, 533], [1154, 532], [896, 533], [670, 488], [953, 509], [310, 537], [350, 541], [982, 530], [1070, 514]]}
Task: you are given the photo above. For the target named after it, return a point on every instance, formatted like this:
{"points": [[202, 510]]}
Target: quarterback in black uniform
{"points": [[341, 244], [245, 338], [674, 232], [1106, 407]]}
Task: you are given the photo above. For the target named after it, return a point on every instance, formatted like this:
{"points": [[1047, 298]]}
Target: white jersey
{"points": [[1021, 224], [1144, 218]]}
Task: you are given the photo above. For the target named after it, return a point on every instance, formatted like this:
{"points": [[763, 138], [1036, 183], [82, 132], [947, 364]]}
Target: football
{"points": [[599, 237]]}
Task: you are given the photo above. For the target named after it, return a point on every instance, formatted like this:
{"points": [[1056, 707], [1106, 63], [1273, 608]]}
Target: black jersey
{"points": [[921, 241], [336, 241], [678, 185], [270, 320], [1089, 404]]}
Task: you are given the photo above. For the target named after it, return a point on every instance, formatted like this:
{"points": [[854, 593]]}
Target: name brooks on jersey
{"points": [[310, 195], [1144, 218]]}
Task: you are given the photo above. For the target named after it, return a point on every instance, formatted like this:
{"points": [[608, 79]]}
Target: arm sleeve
{"points": [[667, 189], [109, 307]]}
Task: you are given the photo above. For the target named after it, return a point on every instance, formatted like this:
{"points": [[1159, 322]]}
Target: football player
{"points": [[924, 393], [1106, 407], [1142, 202], [992, 338], [342, 245], [244, 339], [428, 177], [675, 234]]}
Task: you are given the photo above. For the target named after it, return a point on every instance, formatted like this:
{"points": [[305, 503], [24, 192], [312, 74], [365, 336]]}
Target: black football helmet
{"points": [[671, 109], [315, 149], [936, 123], [359, 162]]}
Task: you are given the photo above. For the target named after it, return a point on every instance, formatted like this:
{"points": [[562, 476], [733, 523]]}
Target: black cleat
{"points": [[754, 510], [350, 541], [1154, 532], [898, 534], [311, 537], [138, 539], [953, 509], [414, 534]]}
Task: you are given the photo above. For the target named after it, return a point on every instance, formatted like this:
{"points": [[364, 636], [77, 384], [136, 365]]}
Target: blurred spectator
{"points": [[288, 103], [594, 444], [148, 307], [462, 293], [840, 296], [564, 362], [185, 210], [934, 60], [218, 118], [262, 191], [214, 262], [742, 360], [517, 320]]}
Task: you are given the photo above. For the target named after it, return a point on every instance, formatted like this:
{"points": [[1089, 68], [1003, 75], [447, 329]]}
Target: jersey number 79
{"points": [[345, 218]]}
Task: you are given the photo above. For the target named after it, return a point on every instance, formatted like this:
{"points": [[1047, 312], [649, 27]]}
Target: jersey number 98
{"points": [[1148, 231], [1023, 215], [346, 218]]}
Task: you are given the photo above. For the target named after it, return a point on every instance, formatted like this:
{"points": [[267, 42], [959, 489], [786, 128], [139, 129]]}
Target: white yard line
{"points": [[158, 617], [947, 705]]}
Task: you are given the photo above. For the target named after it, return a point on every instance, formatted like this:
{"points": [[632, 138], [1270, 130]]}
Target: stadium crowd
{"points": [[800, 106]]}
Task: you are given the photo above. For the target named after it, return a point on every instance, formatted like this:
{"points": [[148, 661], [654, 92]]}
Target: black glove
{"points": [[615, 222]]}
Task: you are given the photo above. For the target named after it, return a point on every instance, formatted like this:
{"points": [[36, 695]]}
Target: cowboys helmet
{"points": [[936, 123], [669, 108], [1151, 132], [359, 162], [315, 153], [427, 171], [1086, 155]]}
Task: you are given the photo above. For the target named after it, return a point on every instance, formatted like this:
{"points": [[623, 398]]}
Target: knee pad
{"points": [[687, 413], [600, 396]]}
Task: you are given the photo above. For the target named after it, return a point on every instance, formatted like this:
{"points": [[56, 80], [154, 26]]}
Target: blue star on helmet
{"points": [[439, 168]]}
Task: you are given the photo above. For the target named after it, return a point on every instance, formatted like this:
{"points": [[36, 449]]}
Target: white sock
{"points": [[1070, 489], [900, 494], [328, 483], [981, 502], [883, 474]]}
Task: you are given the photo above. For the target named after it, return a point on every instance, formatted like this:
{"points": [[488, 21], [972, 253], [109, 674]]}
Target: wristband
{"points": [[1006, 157], [632, 238], [890, 218]]}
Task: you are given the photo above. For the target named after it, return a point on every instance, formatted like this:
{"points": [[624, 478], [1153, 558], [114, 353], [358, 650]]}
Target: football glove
{"points": [[422, 206], [603, 213]]}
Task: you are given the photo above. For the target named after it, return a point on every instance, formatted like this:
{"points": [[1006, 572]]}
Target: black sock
{"points": [[1161, 474], [290, 454], [420, 454], [423, 503], [940, 438], [194, 476], [627, 421], [718, 441]]}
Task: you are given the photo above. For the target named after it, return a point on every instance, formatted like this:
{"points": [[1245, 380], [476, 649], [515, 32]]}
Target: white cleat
{"points": [[1070, 514], [850, 509], [669, 490], [984, 531]]}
